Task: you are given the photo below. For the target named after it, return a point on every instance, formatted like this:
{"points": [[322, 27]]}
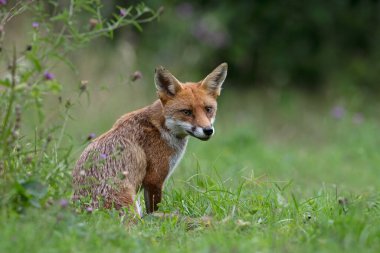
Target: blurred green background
{"points": [[310, 45]]}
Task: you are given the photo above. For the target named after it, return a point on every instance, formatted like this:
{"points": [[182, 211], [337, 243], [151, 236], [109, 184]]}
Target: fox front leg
{"points": [[152, 197]]}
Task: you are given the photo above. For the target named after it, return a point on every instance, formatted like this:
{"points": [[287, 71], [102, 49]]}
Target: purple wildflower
{"points": [[48, 75], [63, 203], [3, 2], [358, 118], [123, 12], [338, 112], [103, 156], [91, 136], [89, 209], [35, 25], [185, 10]]}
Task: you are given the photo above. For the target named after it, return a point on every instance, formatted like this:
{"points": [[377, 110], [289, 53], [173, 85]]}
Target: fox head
{"points": [[190, 108]]}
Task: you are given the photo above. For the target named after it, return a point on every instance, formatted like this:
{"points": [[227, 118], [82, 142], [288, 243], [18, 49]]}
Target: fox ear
{"points": [[213, 82], [167, 85]]}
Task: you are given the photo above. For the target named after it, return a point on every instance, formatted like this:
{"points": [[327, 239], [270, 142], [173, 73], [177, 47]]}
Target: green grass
{"points": [[280, 175]]}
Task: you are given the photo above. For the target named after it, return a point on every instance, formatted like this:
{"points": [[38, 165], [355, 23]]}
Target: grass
{"points": [[281, 174]]}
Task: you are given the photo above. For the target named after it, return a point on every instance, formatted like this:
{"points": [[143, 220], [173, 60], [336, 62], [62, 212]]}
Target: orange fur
{"points": [[143, 147]]}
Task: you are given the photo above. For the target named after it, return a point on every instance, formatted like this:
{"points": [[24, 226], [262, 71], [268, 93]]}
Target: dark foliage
{"points": [[278, 43]]}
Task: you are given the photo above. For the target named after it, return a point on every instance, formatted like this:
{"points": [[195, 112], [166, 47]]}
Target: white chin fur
{"points": [[178, 127]]}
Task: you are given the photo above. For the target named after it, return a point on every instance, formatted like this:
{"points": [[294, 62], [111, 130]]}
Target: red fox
{"points": [[143, 147]]}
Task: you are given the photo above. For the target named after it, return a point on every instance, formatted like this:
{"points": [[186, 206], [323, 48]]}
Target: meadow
{"points": [[287, 170], [280, 174]]}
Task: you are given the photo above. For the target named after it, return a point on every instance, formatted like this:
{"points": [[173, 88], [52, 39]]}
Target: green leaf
{"points": [[35, 92], [35, 61], [21, 86], [61, 17], [137, 25], [6, 82], [54, 86]]}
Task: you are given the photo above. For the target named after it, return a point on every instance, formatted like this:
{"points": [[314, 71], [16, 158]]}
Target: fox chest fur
{"points": [[178, 147], [143, 147]]}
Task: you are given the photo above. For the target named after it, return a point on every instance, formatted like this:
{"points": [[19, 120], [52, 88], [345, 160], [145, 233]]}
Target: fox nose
{"points": [[208, 131]]}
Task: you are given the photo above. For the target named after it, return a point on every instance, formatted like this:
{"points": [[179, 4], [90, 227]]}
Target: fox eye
{"points": [[208, 109], [187, 112]]}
